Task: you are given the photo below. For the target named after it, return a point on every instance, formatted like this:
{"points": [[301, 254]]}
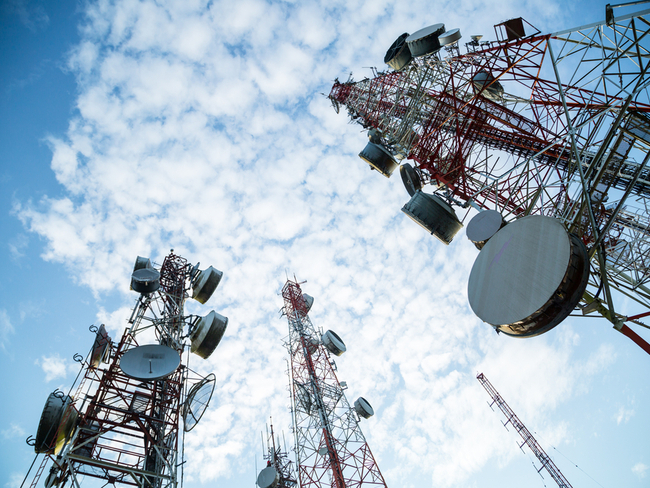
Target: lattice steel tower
{"points": [[123, 422], [530, 441], [331, 450], [554, 125]]}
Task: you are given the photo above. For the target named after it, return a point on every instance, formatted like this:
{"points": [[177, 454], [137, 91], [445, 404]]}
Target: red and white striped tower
{"points": [[330, 448], [123, 422], [529, 124]]}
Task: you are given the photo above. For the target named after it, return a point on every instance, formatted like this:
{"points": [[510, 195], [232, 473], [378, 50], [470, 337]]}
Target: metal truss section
{"points": [[552, 124], [330, 447]]}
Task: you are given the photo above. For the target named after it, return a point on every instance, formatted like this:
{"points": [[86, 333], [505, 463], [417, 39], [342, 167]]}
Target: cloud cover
{"points": [[201, 126]]}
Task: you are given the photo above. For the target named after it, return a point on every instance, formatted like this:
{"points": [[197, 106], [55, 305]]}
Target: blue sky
{"points": [[129, 128]]}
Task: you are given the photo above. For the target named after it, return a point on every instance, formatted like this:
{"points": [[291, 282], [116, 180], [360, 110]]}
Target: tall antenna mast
{"points": [[529, 440], [331, 450], [122, 422], [551, 129]]}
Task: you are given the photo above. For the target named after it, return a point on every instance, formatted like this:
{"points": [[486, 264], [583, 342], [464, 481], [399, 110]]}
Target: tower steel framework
{"points": [[529, 440], [129, 430], [553, 124], [330, 447]]}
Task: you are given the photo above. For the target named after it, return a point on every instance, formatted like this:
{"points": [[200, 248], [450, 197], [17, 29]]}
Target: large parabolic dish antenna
{"points": [[528, 277], [150, 362]]}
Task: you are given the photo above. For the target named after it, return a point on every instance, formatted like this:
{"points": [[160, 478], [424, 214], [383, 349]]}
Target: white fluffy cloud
{"points": [[202, 128], [54, 367]]}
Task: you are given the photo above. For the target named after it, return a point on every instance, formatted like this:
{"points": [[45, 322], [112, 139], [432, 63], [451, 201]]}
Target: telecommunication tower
{"points": [[331, 450], [121, 422], [529, 440], [548, 137], [279, 472]]}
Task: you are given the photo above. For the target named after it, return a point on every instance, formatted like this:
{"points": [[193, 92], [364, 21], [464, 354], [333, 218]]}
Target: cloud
{"points": [[13, 432], [54, 367], [640, 470], [6, 329]]}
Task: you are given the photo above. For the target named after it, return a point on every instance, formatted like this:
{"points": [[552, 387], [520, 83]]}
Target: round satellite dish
{"points": [[141, 263], [150, 362], [309, 301], [101, 348], [449, 37], [322, 451], [485, 84], [205, 284], [434, 214], [425, 41], [268, 478], [483, 226], [410, 178], [58, 420], [398, 54], [145, 280], [333, 343], [528, 277], [207, 334], [379, 158], [198, 399], [363, 408]]}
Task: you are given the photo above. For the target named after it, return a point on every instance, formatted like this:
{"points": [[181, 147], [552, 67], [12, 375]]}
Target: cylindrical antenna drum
{"points": [[309, 301], [425, 41], [58, 420], [398, 54], [205, 283], [363, 408], [145, 280], [207, 334], [434, 214], [333, 343], [379, 158], [410, 178], [100, 348]]}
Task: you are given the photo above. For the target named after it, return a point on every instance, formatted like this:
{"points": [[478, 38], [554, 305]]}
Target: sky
{"points": [[133, 127]]}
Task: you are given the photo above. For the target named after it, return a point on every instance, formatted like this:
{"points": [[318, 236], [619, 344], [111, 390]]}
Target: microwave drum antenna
{"points": [[333, 343], [268, 477], [538, 251], [434, 214], [197, 401], [145, 280], [207, 334], [205, 283], [309, 301], [425, 41], [398, 54], [363, 408], [58, 420], [379, 158]]}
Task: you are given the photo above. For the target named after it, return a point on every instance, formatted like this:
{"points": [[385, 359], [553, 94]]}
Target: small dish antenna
{"points": [[363, 408], [197, 401], [141, 263], [268, 477], [333, 343], [150, 362], [207, 334], [204, 284]]}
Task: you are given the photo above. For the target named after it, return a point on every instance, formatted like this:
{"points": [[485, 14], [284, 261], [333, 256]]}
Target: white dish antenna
{"points": [[268, 478], [425, 41], [141, 263], [150, 362], [483, 226], [449, 37], [333, 343], [205, 283], [207, 334], [197, 401], [363, 408]]}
